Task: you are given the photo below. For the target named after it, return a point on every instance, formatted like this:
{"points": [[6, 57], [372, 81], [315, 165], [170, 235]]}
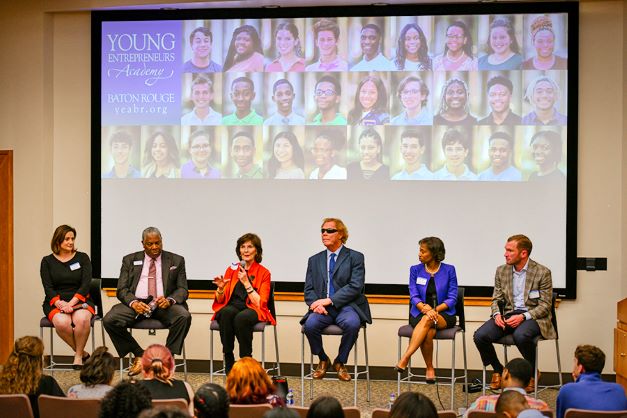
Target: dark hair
{"points": [[413, 405], [325, 407], [330, 79], [59, 236], [410, 133], [443, 105], [244, 80], [99, 368], [453, 136], [281, 412], [502, 135], [423, 87], [205, 31], [522, 242], [503, 22], [510, 401], [334, 136], [245, 134], [126, 400], [372, 26], [298, 156], [211, 401], [121, 137], [380, 105], [200, 133], [371, 133], [170, 143], [590, 357], [279, 82], [468, 45], [423, 49], [521, 370], [254, 240], [231, 58], [164, 411], [291, 28], [503, 81], [555, 141], [435, 247]]}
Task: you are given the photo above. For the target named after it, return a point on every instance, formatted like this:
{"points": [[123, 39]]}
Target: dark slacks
{"points": [[237, 324], [117, 321], [346, 318], [524, 336]]}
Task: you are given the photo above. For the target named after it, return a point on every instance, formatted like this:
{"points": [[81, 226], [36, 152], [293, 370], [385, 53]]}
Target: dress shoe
{"points": [[400, 370], [136, 367], [532, 384], [342, 373], [495, 384], [321, 370], [430, 380]]}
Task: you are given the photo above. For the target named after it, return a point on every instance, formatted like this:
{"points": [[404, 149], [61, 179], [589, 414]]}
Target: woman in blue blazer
{"points": [[433, 296]]}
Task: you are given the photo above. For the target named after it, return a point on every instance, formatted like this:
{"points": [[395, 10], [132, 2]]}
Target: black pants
{"points": [[235, 323]]}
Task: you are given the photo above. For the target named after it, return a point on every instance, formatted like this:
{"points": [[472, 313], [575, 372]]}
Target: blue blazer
{"points": [[445, 286], [348, 282]]}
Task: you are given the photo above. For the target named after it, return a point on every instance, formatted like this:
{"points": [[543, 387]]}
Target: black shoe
{"points": [[77, 366], [430, 381], [400, 370], [229, 361]]}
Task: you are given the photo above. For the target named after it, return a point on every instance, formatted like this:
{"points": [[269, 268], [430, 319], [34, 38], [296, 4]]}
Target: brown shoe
{"points": [[495, 384], [136, 367], [342, 373], [321, 370], [532, 384]]}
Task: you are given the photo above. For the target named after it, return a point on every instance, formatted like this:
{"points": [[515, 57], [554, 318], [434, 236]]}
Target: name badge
{"points": [[138, 262], [234, 266], [75, 266], [421, 281], [534, 294]]}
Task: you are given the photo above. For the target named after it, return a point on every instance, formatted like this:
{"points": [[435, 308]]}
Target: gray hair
{"points": [[149, 231]]}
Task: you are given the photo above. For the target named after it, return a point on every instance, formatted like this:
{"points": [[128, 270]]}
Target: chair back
{"points": [[248, 411], [582, 413], [553, 317], [18, 404], [380, 413], [481, 414], [548, 413], [178, 403], [96, 295], [459, 308], [300, 410], [447, 414], [351, 412], [59, 407], [271, 306]]}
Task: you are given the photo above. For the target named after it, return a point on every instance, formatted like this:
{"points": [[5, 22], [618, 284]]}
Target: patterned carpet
{"points": [[379, 396]]}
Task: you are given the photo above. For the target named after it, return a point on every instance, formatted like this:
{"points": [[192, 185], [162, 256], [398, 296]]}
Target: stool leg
{"points": [[184, 361], [453, 379], [398, 375], [211, 356], [465, 366], [302, 369], [367, 367], [263, 349], [559, 361], [483, 383], [355, 375], [52, 363], [276, 349]]}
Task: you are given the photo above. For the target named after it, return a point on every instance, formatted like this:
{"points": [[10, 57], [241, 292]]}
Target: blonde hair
{"points": [[339, 225]]}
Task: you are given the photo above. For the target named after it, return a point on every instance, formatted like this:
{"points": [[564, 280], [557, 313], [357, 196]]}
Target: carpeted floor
{"points": [[379, 396]]}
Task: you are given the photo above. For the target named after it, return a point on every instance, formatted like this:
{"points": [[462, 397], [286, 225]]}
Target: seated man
{"points": [[152, 283], [521, 305], [334, 292], [589, 391], [516, 376]]}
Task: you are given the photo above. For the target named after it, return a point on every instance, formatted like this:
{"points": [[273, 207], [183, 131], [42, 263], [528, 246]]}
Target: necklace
{"points": [[456, 59], [434, 271]]}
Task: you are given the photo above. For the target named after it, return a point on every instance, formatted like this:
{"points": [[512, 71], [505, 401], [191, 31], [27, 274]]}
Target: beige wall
{"points": [[45, 76]]}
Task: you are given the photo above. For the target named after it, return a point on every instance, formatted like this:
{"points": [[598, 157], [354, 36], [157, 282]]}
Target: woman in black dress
{"points": [[66, 276]]}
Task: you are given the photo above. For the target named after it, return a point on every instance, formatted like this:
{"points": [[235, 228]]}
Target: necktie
{"points": [[152, 279], [331, 268]]}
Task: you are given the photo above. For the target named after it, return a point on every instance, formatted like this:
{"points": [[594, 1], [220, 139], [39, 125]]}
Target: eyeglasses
{"points": [[328, 230], [411, 92], [324, 92]]}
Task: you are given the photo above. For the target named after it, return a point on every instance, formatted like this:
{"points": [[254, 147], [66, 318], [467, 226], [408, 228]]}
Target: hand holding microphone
{"points": [[498, 319]]}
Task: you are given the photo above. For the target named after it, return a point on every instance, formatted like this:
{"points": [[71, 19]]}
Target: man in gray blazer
{"points": [[152, 283], [334, 292], [521, 305]]}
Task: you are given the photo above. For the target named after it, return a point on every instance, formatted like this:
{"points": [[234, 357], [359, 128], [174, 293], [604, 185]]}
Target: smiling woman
{"points": [[245, 53]]}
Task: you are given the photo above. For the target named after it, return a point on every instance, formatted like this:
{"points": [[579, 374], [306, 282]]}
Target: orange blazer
{"points": [[260, 279]]}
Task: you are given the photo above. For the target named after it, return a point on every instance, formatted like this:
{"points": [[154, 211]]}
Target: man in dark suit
{"points": [[524, 290], [152, 283], [334, 292]]}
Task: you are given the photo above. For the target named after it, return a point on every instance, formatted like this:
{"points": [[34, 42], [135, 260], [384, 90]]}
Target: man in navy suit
{"points": [[152, 283], [334, 292]]}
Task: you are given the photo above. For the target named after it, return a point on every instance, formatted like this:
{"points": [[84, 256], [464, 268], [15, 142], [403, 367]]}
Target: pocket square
{"points": [[172, 268]]}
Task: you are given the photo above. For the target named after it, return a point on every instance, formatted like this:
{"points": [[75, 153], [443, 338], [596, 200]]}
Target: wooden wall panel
{"points": [[6, 254]]}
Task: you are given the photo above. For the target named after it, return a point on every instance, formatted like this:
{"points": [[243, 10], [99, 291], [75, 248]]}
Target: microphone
{"points": [[148, 301], [501, 304], [242, 263], [434, 302]]}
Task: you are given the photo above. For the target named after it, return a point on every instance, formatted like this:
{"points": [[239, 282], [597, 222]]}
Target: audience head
{"points": [[413, 405], [248, 382], [510, 404], [164, 412], [126, 400], [158, 363], [211, 401], [325, 407], [517, 373], [99, 368], [588, 359], [281, 412], [22, 371]]}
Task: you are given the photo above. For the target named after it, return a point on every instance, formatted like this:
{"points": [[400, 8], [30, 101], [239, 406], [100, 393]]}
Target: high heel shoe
{"points": [[430, 381], [400, 370]]}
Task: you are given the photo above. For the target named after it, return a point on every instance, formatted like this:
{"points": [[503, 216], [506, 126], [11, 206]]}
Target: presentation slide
{"points": [[403, 126]]}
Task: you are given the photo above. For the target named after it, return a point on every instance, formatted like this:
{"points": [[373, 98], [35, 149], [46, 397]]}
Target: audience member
{"points": [[164, 412], [589, 391], [516, 376], [281, 412], [211, 401], [126, 400], [510, 404], [96, 375], [22, 373], [248, 383], [325, 407], [413, 405], [158, 369]]}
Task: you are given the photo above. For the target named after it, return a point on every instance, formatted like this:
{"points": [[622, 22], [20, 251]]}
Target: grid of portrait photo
{"points": [[455, 98]]}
